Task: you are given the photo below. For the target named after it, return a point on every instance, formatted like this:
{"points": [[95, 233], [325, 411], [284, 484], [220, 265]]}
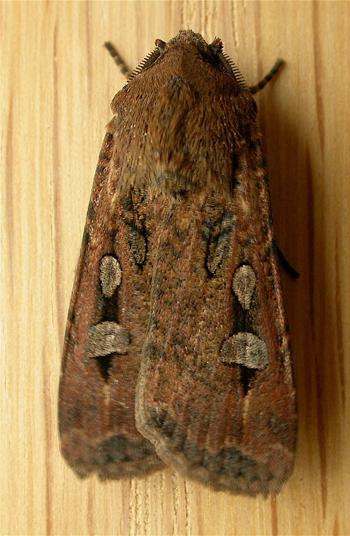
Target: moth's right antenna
{"points": [[123, 66], [260, 85]]}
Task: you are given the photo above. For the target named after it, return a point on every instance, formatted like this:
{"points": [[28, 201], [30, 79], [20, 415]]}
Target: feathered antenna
{"points": [[236, 72], [147, 62]]}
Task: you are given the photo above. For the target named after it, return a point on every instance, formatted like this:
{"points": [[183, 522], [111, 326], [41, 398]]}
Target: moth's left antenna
{"points": [[123, 66]]}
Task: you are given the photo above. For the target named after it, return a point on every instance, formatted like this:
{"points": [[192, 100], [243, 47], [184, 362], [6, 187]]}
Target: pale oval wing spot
{"points": [[243, 285], [245, 349], [106, 338], [110, 275]]}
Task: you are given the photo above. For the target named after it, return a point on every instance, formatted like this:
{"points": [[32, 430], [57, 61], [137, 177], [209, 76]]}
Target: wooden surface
{"points": [[56, 85]]}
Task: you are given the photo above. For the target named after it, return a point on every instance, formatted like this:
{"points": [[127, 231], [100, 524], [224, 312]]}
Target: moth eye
{"points": [[160, 44], [216, 46]]}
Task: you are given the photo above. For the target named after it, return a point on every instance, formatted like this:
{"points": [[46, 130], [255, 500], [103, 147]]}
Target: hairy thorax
{"points": [[170, 130]]}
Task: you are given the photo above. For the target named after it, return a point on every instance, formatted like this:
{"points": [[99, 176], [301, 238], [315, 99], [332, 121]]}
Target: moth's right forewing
{"points": [[104, 335]]}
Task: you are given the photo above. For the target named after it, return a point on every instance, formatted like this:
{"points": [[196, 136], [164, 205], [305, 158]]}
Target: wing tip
{"points": [[112, 459], [227, 470]]}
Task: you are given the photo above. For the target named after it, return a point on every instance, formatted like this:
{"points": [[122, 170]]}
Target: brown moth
{"points": [[177, 346]]}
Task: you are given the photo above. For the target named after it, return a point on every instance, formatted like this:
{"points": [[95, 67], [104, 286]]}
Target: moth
{"points": [[177, 348]]}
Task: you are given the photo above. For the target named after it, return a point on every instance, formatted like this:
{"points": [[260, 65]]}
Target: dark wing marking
{"points": [[216, 394], [104, 338]]}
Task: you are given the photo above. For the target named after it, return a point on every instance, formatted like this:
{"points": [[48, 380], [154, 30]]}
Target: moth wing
{"points": [[215, 394], [103, 339]]}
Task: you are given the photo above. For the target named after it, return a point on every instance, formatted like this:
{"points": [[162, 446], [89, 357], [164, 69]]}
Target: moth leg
{"points": [[123, 66], [285, 263], [260, 85]]}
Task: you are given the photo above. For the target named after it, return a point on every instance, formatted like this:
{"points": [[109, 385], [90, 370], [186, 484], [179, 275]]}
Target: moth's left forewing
{"points": [[215, 393]]}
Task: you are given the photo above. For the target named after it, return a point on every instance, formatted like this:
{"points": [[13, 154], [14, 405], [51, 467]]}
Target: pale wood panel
{"points": [[56, 85]]}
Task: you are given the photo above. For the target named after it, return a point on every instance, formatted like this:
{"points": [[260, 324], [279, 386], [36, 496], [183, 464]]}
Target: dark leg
{"points": [[267, 78], [285, 264], [118, 59]]}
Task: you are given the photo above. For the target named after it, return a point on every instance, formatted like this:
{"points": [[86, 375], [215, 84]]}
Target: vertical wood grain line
{"points": [[187, 509], [48, 448], [146, 513], [310, 244], [321, 436], [135, 510], [131, 510], [9, 208], [318, 70], [56, 190], [339, 324], [336, 527], [90, 511], [175, 502], [204, 17], [234, 26], [274, 516], [257, 24], [189, 15], [88, 53]]}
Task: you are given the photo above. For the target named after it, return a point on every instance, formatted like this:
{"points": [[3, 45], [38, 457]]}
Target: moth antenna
{"points": [[123, 66], [284, 262], [236, 72], [260, 85], [145, 63]]}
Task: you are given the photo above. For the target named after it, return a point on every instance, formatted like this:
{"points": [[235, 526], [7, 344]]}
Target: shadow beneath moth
{"points": [[177, 347]]}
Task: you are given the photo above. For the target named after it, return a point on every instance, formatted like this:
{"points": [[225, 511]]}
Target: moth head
{"points": [[211, 53]]}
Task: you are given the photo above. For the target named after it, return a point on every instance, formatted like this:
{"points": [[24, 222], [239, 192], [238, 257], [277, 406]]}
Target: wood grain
{"points": [[56, 84]]}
